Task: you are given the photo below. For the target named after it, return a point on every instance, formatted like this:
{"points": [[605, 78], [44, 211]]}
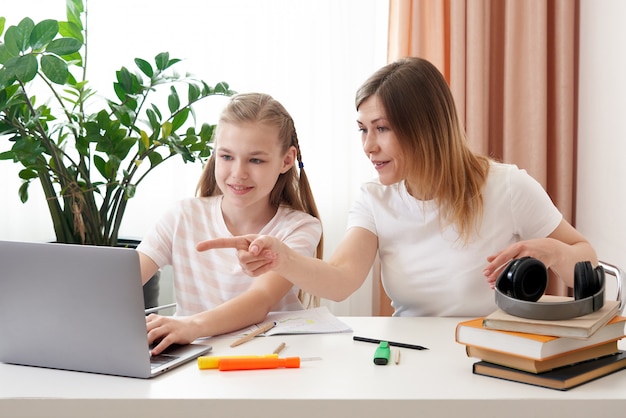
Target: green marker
{"points": [[382, 354]]}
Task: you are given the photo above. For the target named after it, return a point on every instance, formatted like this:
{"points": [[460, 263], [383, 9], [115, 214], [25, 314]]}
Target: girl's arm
{"points": [[336, 279], [148, 267], [559, 251], [250, 307]]}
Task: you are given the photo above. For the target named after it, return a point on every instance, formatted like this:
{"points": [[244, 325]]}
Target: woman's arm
{"points": [[559, 251], [336, 279]]}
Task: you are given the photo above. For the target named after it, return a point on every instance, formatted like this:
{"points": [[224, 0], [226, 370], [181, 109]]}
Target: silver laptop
{"points": [[78, 307]]}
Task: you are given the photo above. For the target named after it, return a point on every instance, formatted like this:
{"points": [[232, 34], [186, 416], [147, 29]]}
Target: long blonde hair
{"points": [[292, 188], [437, 162]]}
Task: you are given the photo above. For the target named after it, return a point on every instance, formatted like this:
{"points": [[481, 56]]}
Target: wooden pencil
{"points": [[279, 348], [253, 334]]}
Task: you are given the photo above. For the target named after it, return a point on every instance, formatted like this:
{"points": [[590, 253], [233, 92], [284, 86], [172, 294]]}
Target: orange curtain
{"points": [[512, 67]]}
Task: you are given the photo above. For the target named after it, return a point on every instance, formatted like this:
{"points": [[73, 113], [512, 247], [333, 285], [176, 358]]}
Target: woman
{"points": [[443, 219]]}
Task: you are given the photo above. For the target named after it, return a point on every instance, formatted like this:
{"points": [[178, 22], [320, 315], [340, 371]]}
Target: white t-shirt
{"points": [[204, 280], [427, 271]]}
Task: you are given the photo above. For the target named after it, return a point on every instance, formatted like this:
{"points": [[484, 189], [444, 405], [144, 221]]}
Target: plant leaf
{"points": [[13, 41], [157, 112], [26, 27], [180, 119], [64, 46], [222, 88], [155, 159], [43, 33], [25, 68], [193, 93], [73, 9], [112, 166], [145, 139], [119, 91], [27, 174], [7, 155], [23, 192], [162, 60], [144, 66], [166, 130], [152, 118], [71, 30], [173, 101], [206, 132], [100, 164], [54, 68], [129, 191], [4, 54], [123, 147]]}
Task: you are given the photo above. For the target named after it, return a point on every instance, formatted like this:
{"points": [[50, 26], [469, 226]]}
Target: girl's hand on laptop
{"points": [[167, 330]]}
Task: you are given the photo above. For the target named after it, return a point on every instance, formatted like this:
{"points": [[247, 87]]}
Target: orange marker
{"points": [[258, 363], [212, 362]]}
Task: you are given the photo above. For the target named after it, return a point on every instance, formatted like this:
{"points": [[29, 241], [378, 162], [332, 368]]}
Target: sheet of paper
{"points": [[307, 321]]}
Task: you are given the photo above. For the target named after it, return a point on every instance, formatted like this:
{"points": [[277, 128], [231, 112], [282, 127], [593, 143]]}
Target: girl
{"points": [[435, 214], [250, 185]]}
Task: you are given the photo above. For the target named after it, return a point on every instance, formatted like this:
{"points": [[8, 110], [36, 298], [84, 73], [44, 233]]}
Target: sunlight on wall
{"points": [[601, 189], [309, 54]]}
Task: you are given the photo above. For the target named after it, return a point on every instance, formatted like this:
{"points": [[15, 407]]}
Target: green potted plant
{"points": [[89, 155]]}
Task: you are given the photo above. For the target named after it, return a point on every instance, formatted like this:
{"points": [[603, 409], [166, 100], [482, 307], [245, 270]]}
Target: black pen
{"points": [[402, 345]]}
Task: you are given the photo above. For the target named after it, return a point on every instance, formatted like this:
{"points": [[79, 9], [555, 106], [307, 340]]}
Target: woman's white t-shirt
{"points": [[204, 280], [429, 271]]}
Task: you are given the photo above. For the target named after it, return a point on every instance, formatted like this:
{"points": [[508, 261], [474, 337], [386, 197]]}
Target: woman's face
{"points": [[379, 142]]}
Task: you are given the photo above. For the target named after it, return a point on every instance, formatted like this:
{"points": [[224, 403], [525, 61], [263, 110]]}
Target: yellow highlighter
{"points": [[211, 362]]}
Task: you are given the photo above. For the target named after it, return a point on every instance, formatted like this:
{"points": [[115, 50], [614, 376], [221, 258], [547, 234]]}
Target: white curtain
{"points": [[309, 54]]}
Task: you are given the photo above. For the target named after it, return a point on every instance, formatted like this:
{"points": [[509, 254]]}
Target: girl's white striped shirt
{"points": [[203, 280]]}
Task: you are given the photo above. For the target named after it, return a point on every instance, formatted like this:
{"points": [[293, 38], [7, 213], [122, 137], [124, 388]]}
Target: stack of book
{"points": [[555, 354]]}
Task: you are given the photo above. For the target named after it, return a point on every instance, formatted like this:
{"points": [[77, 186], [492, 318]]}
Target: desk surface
{"points": [[436, 382]]}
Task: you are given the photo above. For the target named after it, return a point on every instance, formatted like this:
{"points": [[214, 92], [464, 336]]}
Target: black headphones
{"points": [[523, 281]]}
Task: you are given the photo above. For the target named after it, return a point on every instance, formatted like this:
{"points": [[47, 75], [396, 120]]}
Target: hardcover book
{"points": [[580, 327], [534, 346], [539, 366], [563, 378]]}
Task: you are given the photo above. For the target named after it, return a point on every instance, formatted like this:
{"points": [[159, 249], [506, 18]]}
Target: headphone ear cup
{"points": [[503, 282], [525, 278], [585, 280]]}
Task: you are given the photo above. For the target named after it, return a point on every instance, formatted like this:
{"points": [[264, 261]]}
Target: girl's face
{"points": [[248, 162], [379, 142]]}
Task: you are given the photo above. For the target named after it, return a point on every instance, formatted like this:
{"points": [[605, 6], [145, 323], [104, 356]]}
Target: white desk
{"points": [[345, 383]]}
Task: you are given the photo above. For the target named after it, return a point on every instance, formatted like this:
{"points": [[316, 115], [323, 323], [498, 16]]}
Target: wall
{"points": [[309, 54], [601, 190], [226, 46]]}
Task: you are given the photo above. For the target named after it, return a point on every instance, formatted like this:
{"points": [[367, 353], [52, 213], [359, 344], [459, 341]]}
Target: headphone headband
{"points": [[551, 311]]}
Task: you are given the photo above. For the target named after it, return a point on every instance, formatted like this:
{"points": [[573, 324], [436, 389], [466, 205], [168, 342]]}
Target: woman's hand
{"points": [[257, 254], [559, 251], [542, 249]]}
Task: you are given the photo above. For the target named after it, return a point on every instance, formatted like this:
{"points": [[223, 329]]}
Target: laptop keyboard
{"points": [[161, 359], [165, 357]]}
